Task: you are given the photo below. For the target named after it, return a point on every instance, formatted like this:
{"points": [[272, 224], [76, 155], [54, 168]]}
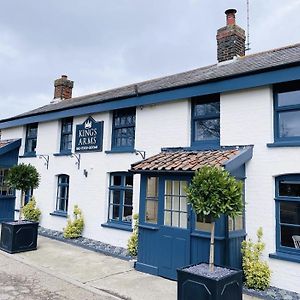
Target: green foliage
{"points": [[257, 272], [23, 177], [132, 245], [213, 191], [31, 212], [74, 228]]}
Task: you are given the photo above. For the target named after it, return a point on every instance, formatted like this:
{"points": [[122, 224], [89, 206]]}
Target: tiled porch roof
{"points": [[190, 161]]}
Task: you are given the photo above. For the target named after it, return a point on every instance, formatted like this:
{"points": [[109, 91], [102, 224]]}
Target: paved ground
{"points": [[61, 271]]}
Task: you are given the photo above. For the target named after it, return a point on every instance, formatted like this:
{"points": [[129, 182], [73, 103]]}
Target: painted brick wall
{"points": [[247, 118]]}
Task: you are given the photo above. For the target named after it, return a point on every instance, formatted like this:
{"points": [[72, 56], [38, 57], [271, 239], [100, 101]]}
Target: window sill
{"points": [[62, 154], [27, 155], [284, 144], [59, 214], [117, 226], [286, 256], [112, 151], [206, 145]]}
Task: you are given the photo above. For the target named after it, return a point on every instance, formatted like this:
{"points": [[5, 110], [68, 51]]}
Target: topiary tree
{"points": [[23, 177], [213, 192]]}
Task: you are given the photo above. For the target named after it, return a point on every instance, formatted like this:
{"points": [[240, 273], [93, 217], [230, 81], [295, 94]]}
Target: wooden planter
{"points": [[19, 237], [197, 287]]}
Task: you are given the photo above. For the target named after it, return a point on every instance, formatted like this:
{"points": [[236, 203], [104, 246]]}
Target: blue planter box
{"points": [[196, 287], [19, 237]]}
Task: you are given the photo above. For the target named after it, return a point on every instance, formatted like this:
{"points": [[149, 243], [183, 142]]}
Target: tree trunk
{"points": [[212, 248], [21, 205]]}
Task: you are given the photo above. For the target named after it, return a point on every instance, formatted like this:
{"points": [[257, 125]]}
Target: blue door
{"points": [[174, 248], [7, 208]]}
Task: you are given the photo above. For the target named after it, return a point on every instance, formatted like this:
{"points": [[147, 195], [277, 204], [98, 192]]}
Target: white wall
{"points": [[247, 118]]}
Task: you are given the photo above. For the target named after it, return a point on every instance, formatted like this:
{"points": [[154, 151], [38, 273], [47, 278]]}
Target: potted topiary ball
{"points": [[20, 235], [212, 192]]}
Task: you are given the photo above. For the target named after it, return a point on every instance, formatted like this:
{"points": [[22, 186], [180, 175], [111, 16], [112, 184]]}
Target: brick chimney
{"points": [[63, 88], [231, 38]]}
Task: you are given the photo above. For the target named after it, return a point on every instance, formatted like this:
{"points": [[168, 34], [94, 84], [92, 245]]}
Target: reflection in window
{"points": [[175, 208], [236, 223], [288, 212], [120, 198], [62, 193], [151, 200], [206, 119], [287, 112], [123, 130], [203, 223], [4, 189], [66, 135], [31, 139]]}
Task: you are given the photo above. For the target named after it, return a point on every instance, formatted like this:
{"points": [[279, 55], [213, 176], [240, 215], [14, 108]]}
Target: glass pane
{"points": [[289, 188], [176, 188], [207, 129], [290, 212], [128, 198], [175, 203], [168, 202], [203, 223], [168, 188], [167, 218], [151, 211], [289, 123], [152, 186], [127, 214], [183, 220], [129, 181], [289, 98], [114, 212], [183, 204], [175, 219], [206, 109], [286, 234], [115, 197], [117, 180], [183, 186], [230, 224]]}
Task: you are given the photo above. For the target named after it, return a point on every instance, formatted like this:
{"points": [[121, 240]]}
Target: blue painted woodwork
{"points": [[286, 257], [162, 249], [240, 159], [7, 208], [59, 213], [212, 87], [119, 226], [66, 135], [284, 144]]}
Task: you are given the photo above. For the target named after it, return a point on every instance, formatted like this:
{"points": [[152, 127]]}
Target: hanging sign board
{"points": [[89, 136]]}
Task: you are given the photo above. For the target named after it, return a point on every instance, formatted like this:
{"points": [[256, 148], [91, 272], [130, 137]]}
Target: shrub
{"points": [[257, 272], [132, 245], [31, 212], [74, 228]]}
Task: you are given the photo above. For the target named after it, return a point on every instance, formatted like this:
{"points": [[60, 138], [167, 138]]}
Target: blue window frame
{"points": [[123, 129], [66, 135], [4, 189], [206, 122], [31, 139], [120, 198], [62, 197], [287, 213], [287, 112]]}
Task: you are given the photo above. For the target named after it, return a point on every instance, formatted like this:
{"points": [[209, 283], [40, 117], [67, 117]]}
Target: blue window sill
{"points": [[117, 226], [62, 154], [59, 214], [284, 144], [125, 150], [206, 145], [28, 155], [286, 256]]}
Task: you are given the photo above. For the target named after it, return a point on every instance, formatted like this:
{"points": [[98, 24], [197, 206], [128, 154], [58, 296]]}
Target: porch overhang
{"points": [[189, 161], [9, 145], [9, 150]]}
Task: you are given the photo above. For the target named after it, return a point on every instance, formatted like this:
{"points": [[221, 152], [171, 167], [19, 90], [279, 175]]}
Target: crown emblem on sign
{"points": [[88, 124]]}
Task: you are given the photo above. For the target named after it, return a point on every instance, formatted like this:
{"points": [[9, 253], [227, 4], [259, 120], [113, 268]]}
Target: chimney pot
{"points": [[63, 88], [230, 16]]}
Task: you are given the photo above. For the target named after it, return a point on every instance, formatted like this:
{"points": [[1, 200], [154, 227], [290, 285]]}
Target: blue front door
{"points": [[174, 248]]}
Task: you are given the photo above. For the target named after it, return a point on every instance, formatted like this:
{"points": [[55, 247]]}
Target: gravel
{"points": [[86, 243], [203, 270]]}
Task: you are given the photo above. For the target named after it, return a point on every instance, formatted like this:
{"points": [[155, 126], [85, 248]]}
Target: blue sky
{"points": [[105, 44]]}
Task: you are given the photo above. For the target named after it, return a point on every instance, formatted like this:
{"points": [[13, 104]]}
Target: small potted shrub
{"points": [[74, 228], [31, 212], [212, 192], [21, 235], [132, 244]]}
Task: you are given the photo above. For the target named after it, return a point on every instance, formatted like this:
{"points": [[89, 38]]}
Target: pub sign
{"points": [[89, 136]]}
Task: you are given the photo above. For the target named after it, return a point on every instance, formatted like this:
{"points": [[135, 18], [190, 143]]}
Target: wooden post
{"points": [[212, 248]]}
